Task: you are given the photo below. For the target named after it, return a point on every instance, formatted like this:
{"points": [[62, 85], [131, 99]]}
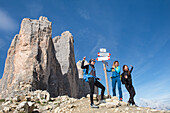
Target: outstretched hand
{"points": [[131, 65], [84, 58], [99, 78]]}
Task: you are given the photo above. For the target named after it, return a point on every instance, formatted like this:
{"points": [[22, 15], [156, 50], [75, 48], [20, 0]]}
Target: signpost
{"points": [[104, 56]]}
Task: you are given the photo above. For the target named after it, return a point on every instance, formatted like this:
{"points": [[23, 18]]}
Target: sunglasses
{"points": [[93, 61]]}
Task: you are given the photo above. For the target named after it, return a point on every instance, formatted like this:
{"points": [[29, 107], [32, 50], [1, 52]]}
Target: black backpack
{"points": [[122, 78]]}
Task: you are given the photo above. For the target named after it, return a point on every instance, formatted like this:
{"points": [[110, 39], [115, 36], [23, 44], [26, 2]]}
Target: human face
{"points": [[116, 64], [126, 68], [92, 62]]}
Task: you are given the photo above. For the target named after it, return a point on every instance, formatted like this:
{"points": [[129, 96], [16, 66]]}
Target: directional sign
{"points": [[103, 50], [103, 58], [103, 54]]}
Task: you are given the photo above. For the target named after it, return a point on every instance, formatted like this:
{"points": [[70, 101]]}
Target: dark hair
{"points": [[91, 60], [116, 61], [124, 69]]}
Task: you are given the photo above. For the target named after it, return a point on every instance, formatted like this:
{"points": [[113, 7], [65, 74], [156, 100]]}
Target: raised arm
{"points": [[131, 69], [82, 64]]}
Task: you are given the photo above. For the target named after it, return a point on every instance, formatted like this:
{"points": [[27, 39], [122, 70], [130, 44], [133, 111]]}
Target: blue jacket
{"points": [[115, 73]]}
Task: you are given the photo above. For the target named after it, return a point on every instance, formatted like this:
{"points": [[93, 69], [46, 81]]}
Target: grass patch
{"points": [[38, 102], [2, 100]]}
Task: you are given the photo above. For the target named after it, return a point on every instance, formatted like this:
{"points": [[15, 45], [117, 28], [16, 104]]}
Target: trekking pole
{"points": [[107, 85]]}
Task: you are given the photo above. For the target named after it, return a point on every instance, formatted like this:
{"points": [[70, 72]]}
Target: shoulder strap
{"points": [[89, 70]]}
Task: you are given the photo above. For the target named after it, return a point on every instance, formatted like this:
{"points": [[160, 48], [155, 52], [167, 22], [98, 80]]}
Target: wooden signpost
{"points": [[104, 56]]}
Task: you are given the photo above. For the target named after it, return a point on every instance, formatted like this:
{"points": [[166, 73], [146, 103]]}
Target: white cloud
{"points": [[155, 104], [6, 22], [84, 14]]}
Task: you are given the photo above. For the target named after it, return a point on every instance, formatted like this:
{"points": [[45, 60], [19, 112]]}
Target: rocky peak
{"points": [[31, 60], [36, 61], [64, 51]]}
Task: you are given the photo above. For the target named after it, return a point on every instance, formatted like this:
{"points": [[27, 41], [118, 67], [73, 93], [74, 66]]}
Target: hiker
{"points": [[127, 80], [90, 77], [115, 78]]}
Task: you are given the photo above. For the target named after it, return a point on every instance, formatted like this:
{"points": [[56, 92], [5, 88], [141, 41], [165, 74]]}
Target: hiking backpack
{"points": [[122, 78]]}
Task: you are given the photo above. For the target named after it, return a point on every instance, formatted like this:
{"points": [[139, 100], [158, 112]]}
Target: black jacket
{"points": [[127, 81]]}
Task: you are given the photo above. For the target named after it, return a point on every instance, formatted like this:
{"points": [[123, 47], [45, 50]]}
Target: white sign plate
{"points": [[102, 50], [103, 54], [103, 58]]}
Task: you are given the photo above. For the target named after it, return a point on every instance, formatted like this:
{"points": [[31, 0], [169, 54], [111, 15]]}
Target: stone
{"points": [[111, 105], [27, 98], [13, 106], [102, 105], [52, 99], [27, 107], [16, 99], [116, 109], [31, 61], [45, 95], [48, 107], [127, 108], [8, 99], [6, 109], [154, 110], [94, 96], [116, 102], [6, 103], [22, 105], [64, 51], [82, 98], [71, 106], [109, 100], [138, 108], [123, 103], [114, 98]]}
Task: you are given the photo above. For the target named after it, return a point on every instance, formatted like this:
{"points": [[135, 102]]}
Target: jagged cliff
{"points": [[36, 61]]}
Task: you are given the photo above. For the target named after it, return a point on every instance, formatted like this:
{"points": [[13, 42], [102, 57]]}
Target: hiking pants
{"points": [[93, 83], [114, 81], [132, 93]]}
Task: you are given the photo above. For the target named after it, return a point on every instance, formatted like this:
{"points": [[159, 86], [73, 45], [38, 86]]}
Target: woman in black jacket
{"points": [[127, 80]]}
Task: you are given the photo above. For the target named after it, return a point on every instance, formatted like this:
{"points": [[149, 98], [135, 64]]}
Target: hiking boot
{"points": [[134, 105], [102, 101], [94, 106], [121, 99], [129, 103]]}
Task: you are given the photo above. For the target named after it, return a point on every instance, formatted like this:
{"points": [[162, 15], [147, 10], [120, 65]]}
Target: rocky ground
{"points": [[40, 102]]}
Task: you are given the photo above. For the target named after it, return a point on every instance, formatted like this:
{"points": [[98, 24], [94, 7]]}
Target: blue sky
{"points": [[135, 32]]}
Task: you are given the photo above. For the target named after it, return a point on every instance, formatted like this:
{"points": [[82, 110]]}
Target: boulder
{"points": [[112, 104], [114, 98]]}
